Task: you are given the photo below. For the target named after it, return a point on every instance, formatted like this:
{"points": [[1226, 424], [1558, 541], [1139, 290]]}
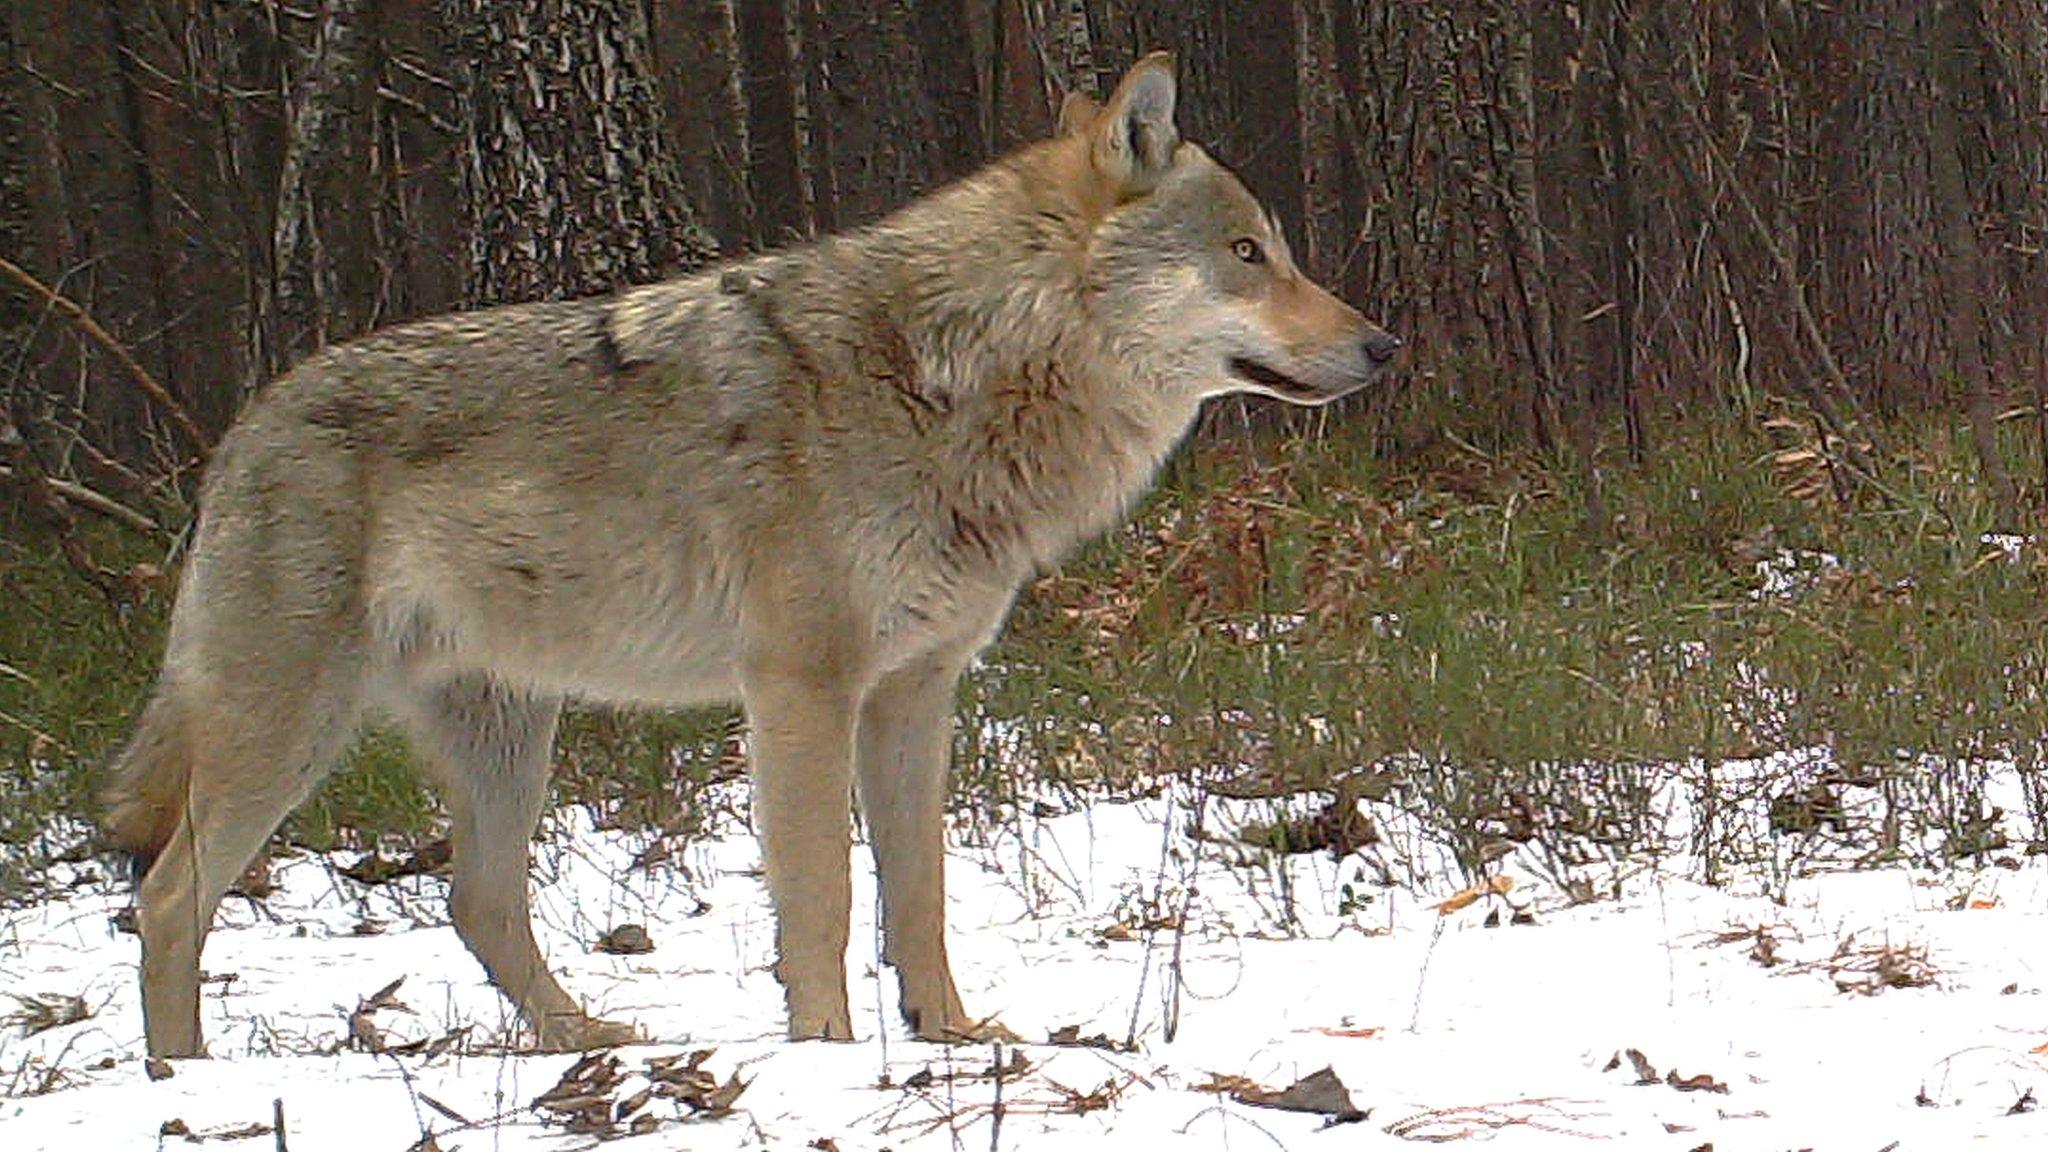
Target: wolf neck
{"points": [[1052, 425]]}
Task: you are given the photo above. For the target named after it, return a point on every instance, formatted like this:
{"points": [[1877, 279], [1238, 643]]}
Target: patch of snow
{"points": [[1789, 573], [1142, 921]]}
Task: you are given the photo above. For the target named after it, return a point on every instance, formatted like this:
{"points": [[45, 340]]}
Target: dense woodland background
{"points": [[1581, 215], [1719, 429]]}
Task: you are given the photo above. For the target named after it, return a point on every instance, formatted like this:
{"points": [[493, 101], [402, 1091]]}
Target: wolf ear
{"points": [[1134, 135], [1077, 114]]}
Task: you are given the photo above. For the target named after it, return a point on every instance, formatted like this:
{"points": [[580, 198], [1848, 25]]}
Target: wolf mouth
{"points": [[1274, 380]]}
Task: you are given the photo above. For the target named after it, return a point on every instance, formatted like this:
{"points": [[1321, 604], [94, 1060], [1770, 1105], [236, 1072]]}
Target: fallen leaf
{"points": [[1069, 1036], [1491, 886], [1222, 1084], [47, 1011], [376, 868], [1321, 1093], [1646, 1072], [362, 1027], [626, 940], [683, 1079], [1700, 1083]]}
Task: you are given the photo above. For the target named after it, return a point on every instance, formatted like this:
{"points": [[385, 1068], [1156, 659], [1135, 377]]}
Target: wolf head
{"points": [[1183, 248]]}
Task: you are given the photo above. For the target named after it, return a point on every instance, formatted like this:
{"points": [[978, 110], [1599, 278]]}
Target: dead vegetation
{"points": [[379, 867], [45, 1011], [1646, 1074], [958, 1096], [221, 1134], [1321, 1093], [1868, 969], [1478, 1122], [625, 940], [600, 1096]]}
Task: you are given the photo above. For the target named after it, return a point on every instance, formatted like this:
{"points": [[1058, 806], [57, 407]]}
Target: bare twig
{"points": [[995, 1126], [13, 721], [92, 501], [91, 327], [1468, 1121]]}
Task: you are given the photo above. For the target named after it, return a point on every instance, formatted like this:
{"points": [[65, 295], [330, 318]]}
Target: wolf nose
{"points": [[1381, 346]]}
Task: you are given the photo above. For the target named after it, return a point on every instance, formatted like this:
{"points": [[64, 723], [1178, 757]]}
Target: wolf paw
{"points": [[989, 1031], [806, 1026], [582, 1033]]}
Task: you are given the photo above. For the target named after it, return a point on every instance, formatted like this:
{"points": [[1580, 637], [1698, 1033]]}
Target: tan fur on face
{"points": [[1305, 316]]}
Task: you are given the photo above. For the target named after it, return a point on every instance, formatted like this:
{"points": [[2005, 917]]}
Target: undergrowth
{"points": [[1292, 616]]}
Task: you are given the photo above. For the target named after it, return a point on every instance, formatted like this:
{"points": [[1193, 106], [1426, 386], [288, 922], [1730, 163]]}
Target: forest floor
{"points": [[1174, 984]]}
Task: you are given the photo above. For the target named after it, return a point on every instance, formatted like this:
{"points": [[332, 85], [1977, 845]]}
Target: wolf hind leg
{"points": [[241, 762], [486, 747]]}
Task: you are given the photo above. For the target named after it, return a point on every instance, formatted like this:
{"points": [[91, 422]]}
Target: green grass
{"points": [[1448, 633], [71, 667], [1456, 619]]}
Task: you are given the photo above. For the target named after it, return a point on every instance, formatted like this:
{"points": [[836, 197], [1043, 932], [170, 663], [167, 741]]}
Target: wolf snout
{"points": [[1380, 346]]}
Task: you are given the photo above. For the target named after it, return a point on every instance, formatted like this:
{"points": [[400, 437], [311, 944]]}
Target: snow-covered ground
{"points": [[1231, 969]]}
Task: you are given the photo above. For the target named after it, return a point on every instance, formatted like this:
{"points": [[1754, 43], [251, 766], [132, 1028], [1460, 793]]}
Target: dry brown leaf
{"points": [[1069, 1036], [1320, 1092], [1700, 1083], [626, 940], [1491, 886], [1646, 1072]]}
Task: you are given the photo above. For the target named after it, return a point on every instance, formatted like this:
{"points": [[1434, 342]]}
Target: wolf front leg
{"points": [[906, 736], [486, 746], [802, 726]]}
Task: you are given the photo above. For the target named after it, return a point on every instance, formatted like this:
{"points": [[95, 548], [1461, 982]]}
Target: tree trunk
{"points": [[567, 183], [302, 271], [1315, 97], [1954, 37]]}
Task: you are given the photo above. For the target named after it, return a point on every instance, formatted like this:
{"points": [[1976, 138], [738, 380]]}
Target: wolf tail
{"points": [[142, 803]]}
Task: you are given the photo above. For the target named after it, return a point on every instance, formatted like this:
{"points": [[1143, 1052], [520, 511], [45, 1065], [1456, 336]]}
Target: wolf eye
{"points": [[1248, 250]]}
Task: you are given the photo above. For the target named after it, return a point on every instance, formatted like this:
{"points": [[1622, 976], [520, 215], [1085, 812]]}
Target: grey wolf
{"points": [[811, 482]]}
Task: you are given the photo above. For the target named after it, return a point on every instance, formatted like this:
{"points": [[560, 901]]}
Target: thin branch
{"points": [[93, 501], [92, 328]]}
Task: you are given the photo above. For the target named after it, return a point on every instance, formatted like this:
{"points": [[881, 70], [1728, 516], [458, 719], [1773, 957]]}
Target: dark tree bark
{"points": [[303, 269], [568, 183], [1579, 216], [16, 177], [1955, 41], [1316, 96]]}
